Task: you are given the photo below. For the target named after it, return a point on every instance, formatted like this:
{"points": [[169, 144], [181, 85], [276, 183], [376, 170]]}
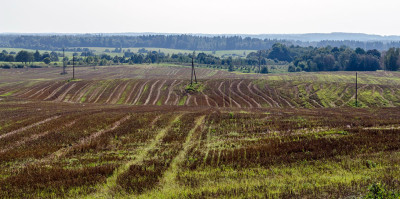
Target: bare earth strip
{"points": [[188, 99], [250, 98], [209, 98], [55, 91], [112, 94], [104, 191], [61, 97], [62, 152], [28, 127], [240, 92], [169, 178], [255, 94], [116, 99], [176, 95], [195, 101], [170, 91], [222, 97], [39, 91], [83, 92], [32, 138], [138, 95], [158, 92], [93, 94], [227, 97], [28, 90], [130, 94], [287, 102], [318, 104], [270, 98], [206, 97], [151, 92], [102, 92], [71, 99]]}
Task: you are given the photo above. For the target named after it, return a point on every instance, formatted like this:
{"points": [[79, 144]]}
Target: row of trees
{"points": [[392, 59], [309, 59], [337, 59], [189, 42], [25, 57], [330, 58]]}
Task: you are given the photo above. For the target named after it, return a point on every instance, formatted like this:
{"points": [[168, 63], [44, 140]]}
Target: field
{"points": [[136, 131]]}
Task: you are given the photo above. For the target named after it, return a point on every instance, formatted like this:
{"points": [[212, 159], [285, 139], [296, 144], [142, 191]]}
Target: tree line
{"points": [[28, 57], [312, 59], [186, 42], [309, 59]]}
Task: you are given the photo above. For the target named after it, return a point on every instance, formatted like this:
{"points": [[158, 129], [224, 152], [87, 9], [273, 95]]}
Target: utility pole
{"points": [[73, 66], [356, 90], [194, 70], [259, 62], [64, 63], [191, 75]]}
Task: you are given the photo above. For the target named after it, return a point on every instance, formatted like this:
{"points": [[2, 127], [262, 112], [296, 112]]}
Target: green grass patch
{"points": [[194, 88], [123, 96], [7, 94], [182, 100]]}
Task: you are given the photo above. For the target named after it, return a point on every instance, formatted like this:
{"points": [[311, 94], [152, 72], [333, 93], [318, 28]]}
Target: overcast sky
{"points": [[200, 16]]}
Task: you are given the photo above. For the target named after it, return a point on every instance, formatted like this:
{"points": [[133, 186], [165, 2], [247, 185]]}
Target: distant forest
{"points": [[185, 42]]}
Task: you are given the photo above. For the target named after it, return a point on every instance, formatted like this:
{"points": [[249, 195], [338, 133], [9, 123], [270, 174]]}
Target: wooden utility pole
{"points": [[259, 62], [73, 67], [191, 75], [64, 62], [356, 90], [194, 70]]}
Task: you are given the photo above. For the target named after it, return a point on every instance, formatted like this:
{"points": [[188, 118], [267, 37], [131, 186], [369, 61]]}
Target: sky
{"points": [[200, 16]]}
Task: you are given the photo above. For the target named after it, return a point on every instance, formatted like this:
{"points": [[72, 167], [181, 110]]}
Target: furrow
{"points": [[158, 92], [151, 91], [140, 92], [27, 127]]}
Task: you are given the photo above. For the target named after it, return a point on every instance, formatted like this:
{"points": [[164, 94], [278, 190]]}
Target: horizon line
{"points": [[177, 33]]}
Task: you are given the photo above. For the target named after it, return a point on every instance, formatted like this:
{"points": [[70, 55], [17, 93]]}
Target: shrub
{"points": [[35, 66], [264, 70], [378, 191], [6, 66]]}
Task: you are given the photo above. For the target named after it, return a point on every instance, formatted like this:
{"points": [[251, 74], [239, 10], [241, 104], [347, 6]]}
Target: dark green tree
{"points": [[231, 68], [24, 56], [264, 70], [392, 59], [291, 68], [53, 56], [360, 51], [37, 56], [280, 52], [47, 60]]}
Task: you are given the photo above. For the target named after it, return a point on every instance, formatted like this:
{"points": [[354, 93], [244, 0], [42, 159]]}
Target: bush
{"points": [[46, 60], [291, 68], [264, 70], [6, 66], [378, 191], [194, 88], [35, 66]]}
